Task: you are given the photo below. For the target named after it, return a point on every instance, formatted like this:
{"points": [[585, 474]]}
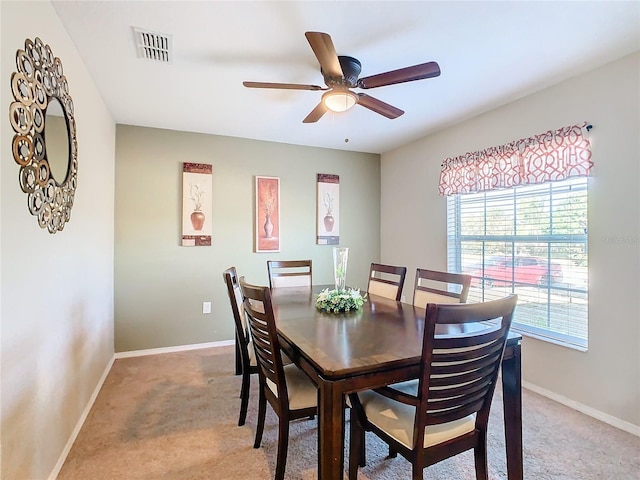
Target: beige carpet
{"points": [[174, 417]]}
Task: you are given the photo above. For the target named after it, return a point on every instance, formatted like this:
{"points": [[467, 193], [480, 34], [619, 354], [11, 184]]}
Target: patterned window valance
{"points": [[550, 156]]}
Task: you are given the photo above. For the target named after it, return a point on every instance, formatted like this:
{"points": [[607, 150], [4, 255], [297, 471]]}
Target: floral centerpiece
{"points": [[337, 301], [341, 298]]}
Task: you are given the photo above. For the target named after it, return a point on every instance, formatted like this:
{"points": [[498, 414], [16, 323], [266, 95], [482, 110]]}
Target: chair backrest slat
{"points": [[457, 367], [460, 379], [259, 313], [465, 353], [386, 281], [433, 286], [230, 278], [441, 404], [454, 414], [459, 373], [290, 273], [243, 336], [435, 393]]}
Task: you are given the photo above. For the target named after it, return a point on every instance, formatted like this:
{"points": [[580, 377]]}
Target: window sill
{"points": [[555, 341]]}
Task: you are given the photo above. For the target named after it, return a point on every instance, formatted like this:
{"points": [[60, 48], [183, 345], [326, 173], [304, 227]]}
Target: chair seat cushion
{"points": [[302, 391], [397, 419]]}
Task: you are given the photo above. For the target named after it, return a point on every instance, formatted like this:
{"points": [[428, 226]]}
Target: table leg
{"points": [[331, 406], [512, 399]]}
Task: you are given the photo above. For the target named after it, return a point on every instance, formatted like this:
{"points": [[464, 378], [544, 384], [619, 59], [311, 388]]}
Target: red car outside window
{"points": [[520, 269]]}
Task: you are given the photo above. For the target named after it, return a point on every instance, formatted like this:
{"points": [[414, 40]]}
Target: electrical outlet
{"points": [[206, 307]]}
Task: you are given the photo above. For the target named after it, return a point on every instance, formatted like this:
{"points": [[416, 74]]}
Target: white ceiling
{"points": [[490, 53]]}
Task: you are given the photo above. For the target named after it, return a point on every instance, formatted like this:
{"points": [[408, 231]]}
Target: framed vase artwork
{"points": [[267, 214], [328, 212], [197, 204]]}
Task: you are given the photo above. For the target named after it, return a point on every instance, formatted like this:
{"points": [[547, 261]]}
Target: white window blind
{"points": [[532, 241]]}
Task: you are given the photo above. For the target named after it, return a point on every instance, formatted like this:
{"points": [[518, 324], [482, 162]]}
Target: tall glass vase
{"points": [[340, 258]]}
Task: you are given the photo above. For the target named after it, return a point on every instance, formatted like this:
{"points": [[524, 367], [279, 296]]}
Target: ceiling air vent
{"points": [[153, 45]]}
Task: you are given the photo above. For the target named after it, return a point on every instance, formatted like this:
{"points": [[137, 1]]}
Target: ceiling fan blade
{"points": [[322, 46], [286, 86], [316, 114], [407, 74], [379, 106]]}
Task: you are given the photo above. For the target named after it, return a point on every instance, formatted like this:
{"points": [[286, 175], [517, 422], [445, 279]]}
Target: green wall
{"points": [[160, 285]]}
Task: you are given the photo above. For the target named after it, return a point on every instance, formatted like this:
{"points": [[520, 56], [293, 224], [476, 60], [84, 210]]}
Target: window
{"points": [[529, 240]]}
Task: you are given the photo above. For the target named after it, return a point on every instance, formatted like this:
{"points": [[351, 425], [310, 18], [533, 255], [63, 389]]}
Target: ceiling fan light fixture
{"points": [[339, 100], [342, 73]]}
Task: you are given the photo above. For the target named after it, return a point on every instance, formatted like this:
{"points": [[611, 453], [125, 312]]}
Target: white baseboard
{"points": [[592, 412], [80, 423], [178, 348]]}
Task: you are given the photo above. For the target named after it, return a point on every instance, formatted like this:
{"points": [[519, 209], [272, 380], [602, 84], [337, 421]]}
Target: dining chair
{"points": [[245, 357], [288, 390], [289, 273], [446, 411], [386, 281], [433, 286]]}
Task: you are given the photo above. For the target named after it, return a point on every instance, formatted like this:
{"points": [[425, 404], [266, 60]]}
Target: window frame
{"points": [[455, 240]]}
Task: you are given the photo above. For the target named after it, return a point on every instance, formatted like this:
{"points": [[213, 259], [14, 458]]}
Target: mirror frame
{"points": [[39, 78]]}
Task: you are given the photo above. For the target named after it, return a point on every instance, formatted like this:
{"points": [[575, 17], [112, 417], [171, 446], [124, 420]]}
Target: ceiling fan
{"points": [[341, 75]]}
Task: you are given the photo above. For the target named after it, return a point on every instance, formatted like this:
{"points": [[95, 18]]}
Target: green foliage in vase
{"points": [[334, 301]]}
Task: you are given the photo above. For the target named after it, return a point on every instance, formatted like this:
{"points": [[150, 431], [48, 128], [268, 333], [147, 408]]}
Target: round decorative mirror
{"points": [[56, 135], [44, 145]]}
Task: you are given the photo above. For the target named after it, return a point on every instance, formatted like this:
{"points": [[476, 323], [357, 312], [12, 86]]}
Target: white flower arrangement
{"points": [[334, 301]]}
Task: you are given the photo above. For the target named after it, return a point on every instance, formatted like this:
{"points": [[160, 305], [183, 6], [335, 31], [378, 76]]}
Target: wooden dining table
{"points": [[376, 346]]}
